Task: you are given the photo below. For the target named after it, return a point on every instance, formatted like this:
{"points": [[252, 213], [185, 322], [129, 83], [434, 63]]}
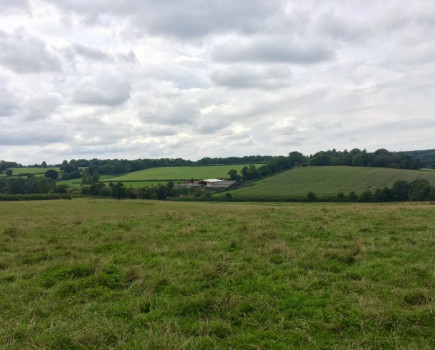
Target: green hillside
{"points": [[327, 181], [31, 170], [179, 173]]}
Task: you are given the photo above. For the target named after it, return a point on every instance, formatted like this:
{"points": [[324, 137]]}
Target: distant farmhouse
{"points": [[212, 184]]}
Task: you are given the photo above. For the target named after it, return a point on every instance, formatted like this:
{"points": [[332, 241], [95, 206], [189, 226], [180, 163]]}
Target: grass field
{"points": [[179, 173], [103, 274], [31, 170], [77, 182], [327, 181]]}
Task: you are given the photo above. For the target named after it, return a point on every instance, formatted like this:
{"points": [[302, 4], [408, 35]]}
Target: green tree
{"points": [[296, 159], [419, 190], [353, 196], [233, 175], [400, 190], [118, 190], [366, 196], [311, 197], [51, 174]]}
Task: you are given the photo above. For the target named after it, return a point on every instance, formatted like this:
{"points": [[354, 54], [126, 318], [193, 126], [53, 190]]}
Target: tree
{"points": [[400, 190], [51, 174], [353, 196], [118, 190], [419, 190], [340, 196], [366, 196], [233, 175], [44, 164], [296, 159], [311, 197]]}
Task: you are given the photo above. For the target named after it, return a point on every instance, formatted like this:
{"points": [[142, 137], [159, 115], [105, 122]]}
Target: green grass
{"points": [[327, 181], [180, 173], [103, 274], [78, 182], [32, 170], [136, 184]]}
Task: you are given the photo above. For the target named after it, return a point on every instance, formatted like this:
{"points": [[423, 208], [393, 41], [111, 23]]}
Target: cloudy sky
{"points": [[195, 78]]}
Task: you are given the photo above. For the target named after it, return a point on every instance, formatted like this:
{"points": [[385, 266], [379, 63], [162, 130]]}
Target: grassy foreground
{"points": [[98, 274], [326, 181]]}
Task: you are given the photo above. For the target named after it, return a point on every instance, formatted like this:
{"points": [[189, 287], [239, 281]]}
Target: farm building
{"points": [[212, 184]]}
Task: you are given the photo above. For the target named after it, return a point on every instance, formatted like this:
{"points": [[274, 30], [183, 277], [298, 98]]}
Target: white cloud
{"points": [[247, 77], [195, 78], [24, 53], [103, 89]]}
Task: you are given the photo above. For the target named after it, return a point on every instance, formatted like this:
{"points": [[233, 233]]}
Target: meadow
{"points": [[179, 173], [93, 273], [326, 181]]}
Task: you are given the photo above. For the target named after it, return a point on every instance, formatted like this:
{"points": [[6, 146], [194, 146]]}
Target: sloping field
{"points": [[107, 274], [179, 173], [31, 170], [327, 181]]}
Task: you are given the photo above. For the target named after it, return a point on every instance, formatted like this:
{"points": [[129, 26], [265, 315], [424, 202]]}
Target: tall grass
{"points": [[102, 274]]}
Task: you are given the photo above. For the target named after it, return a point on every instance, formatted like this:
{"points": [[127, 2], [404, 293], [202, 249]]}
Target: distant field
{"points": [[132, 274], [136, 184], [327, 181], [180, 173], [71, 182], [77, 182], [31, 170]]}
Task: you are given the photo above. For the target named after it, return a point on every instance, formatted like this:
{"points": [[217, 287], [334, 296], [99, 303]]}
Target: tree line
{"points": [[73, 168], [356, 157], [417, 190]]}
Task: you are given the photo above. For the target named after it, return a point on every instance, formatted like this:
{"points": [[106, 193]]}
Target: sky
{"points": [[82, 79]]}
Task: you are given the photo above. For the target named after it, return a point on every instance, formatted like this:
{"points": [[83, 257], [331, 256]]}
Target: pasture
{"points": [[91, 273], [326, 181], [179, 173]]}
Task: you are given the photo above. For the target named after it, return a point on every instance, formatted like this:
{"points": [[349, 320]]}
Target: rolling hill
{"points": [[32, 170], [326, 181], [178, 173]]}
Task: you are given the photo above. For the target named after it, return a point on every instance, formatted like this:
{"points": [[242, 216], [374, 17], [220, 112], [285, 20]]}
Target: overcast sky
{"points": [[195, 78]]}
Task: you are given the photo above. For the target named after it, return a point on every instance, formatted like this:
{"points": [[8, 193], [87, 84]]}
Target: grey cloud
{"points": [[97, 54], [8, 103], [24, 53], [155, 130], [242, 77], [342, 28], [104, 89], [272, 50], [88, 52], [41, 107], [169, 111], [14, 6], [212, 124], [28, 136], [181, 19]]}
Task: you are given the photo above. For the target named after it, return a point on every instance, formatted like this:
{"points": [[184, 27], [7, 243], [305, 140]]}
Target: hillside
{"points": [[178, 173], [32, 170], [327, 181]]}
